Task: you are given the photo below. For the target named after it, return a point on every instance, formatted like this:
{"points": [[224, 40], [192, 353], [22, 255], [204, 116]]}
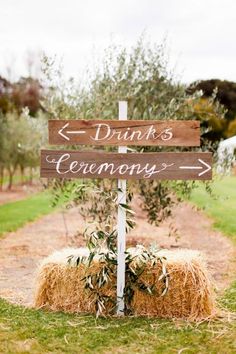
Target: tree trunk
{"points": [[10, 180], [11, 172], [1, 177], [22, 171], [31, 175]]}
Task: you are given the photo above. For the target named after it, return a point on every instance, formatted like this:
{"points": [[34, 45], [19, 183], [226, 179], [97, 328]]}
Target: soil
{"points": [[21, 251], [18, 192]]}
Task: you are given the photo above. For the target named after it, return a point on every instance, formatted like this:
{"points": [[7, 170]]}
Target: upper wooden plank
{"points": [[131, 132]]}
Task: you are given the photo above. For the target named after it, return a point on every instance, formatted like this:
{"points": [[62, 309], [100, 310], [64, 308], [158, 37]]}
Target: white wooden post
{"points": [[121, 226]]}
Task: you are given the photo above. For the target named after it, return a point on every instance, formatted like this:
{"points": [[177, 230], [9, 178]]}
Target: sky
{"points": [[201, 34]]}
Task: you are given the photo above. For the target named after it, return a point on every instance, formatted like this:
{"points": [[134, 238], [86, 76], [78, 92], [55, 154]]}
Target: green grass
{"points": [[16, 214], [16, 180], [222, 208], [31, 331]]}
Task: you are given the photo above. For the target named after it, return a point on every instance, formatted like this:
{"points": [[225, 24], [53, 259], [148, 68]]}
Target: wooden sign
{"points": [[134, 132], [161, 165]]}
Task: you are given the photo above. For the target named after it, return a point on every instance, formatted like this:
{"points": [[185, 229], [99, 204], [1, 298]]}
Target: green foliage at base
{"points": [[31, 331], [17, 214], [222, 206]]}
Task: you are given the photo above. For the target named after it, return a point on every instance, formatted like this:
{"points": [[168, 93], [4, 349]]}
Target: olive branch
{"points": [[102, 246]]}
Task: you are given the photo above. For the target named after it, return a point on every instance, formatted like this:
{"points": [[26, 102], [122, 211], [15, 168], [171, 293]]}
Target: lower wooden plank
{"points": [[161, 165]]}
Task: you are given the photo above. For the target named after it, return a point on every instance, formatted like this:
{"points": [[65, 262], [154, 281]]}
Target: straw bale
{"points": [[190, 296]]}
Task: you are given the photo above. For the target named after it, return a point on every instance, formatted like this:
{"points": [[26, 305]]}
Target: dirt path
{"points": [[21, 251], [18, 192]]}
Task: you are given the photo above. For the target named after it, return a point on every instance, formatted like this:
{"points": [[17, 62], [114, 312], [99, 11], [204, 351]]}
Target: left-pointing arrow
{"points": [[63, 133], [207, 167]]}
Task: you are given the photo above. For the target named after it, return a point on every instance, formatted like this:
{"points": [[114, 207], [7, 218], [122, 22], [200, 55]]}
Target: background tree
{"points": [[225, 93], [6, 104], [22, 123], [26, 92], [20, 143]]}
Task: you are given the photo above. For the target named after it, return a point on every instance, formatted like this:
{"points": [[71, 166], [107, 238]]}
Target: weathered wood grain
{"points": [[162, 166], [132, 132]]}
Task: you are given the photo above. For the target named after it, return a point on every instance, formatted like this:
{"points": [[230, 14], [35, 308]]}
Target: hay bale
{"points": [[190, 294]]}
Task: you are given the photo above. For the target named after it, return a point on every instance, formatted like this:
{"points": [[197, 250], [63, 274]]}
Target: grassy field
{"points": [[222, 206], [31, 331], [16, 214]]}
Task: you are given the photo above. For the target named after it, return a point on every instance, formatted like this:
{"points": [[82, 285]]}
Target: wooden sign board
{"points": [[134, 132], [121, 133], [161, 165]]}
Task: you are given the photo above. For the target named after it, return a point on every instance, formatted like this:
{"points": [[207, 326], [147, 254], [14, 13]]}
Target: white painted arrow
{"points": [[208, 167], [60, 131]]}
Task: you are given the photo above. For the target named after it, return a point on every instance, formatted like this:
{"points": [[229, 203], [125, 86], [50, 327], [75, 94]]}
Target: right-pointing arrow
{"points": [[207, 167]]}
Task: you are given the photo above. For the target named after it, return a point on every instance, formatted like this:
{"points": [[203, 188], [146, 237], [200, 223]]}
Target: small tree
{"points": [[20, 143], [139, 76]]}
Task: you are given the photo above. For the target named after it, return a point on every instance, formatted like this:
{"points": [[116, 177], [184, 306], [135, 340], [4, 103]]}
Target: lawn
{"points": [[30, 331], [16, 214], [222, 206]]}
